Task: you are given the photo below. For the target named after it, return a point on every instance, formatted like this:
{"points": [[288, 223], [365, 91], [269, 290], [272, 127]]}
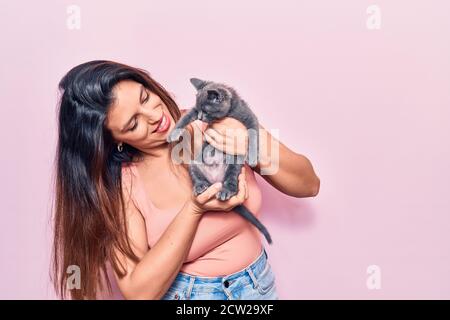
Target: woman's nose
{"points": [[153, 115]]}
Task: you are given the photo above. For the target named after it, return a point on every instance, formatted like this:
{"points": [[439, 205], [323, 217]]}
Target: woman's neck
{"points": [[157, 161], [156, 156]]}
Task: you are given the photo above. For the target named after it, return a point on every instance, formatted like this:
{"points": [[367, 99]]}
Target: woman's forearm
{"points": [[158, 268], [289, 172]]}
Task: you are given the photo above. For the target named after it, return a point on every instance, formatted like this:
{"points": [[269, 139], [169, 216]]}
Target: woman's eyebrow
{"points": [[132, 117]]}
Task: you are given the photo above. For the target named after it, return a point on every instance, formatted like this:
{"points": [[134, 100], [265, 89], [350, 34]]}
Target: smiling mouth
{"points": [[163, 124]]}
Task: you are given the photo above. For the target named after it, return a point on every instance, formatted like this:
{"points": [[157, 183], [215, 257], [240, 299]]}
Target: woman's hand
{"points": [[207, 200], [228, 135]]}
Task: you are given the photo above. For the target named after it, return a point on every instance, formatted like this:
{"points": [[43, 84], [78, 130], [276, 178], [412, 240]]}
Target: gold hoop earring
{"points": [[120, 147]]}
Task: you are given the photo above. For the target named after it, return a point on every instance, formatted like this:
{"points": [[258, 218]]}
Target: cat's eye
{"points": [[213, 95]]}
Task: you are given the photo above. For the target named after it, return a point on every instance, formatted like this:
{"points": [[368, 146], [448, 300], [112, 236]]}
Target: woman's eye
{"points": [[135, 125], [146, 98]]}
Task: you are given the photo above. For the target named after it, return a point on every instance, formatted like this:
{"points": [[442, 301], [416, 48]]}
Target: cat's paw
{"points": [[200, 188], [225, 194], [174, 135]]}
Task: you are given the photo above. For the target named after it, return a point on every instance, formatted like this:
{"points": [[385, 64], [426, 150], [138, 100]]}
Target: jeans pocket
{"points": [[265, 280]]}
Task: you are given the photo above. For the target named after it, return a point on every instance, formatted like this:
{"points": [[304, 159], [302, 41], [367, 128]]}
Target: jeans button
{"points": [[226, 283]]}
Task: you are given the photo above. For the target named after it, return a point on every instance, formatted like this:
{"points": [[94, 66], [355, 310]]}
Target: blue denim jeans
{"points": [[255, 282]]}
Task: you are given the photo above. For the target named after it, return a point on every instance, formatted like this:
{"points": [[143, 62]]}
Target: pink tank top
{"points": [[224, 242]]}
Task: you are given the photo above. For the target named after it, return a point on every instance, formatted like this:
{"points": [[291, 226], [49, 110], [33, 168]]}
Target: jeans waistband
{"points": [[256, 267]]}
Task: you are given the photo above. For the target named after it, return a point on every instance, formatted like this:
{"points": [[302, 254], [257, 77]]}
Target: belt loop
{"points": [[252, 276], [189, 289]]}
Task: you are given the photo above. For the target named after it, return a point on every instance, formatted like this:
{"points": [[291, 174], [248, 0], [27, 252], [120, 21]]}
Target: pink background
{"points": [[369, 108]]}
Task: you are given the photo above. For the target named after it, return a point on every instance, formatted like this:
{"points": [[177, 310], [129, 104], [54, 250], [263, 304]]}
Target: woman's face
{"points": [[138, 117]]}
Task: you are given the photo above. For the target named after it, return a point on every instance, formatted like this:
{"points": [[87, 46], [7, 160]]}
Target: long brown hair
{"points": [[88, 213]]}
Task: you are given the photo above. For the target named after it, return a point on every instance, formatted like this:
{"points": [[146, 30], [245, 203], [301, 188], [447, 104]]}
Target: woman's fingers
{"points": [[214, 136], [246, 190], [238, 198], [242, 177], [209, 193], [212, 142], [221, 140], [208, 200], [241, 193]]}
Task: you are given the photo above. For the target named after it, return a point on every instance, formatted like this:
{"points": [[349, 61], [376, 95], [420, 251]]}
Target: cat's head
{"points": [[213, 99]]}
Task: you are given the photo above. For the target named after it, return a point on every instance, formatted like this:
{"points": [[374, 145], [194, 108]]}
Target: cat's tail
{"points": [[246, 214]]}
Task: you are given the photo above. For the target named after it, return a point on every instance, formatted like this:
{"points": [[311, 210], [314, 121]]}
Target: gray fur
{"points": [[215, 101]]}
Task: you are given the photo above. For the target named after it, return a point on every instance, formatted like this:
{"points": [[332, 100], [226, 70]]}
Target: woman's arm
{"points": [[157, 268], [153, 274], [295, 175]]}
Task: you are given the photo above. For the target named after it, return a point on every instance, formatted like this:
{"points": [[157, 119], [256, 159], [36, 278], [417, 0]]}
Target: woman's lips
{"points": [[164, 124]]}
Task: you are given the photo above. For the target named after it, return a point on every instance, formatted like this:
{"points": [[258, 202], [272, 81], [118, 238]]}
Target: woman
{"points": [[122, 201]]}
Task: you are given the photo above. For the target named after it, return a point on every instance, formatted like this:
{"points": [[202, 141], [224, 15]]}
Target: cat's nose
{"points": [[207, 108]]}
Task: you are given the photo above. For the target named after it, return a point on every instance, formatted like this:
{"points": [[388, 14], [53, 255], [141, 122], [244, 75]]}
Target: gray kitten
{"points": [[213, 102]]}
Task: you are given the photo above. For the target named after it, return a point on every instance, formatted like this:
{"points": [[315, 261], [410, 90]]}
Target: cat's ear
{"points": [[198, 84]]}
